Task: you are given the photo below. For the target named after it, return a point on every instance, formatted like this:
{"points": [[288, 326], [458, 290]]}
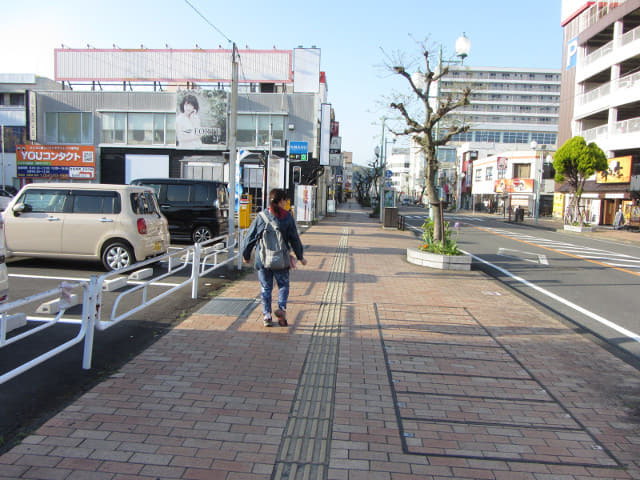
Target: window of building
{"points": [[69, 127], [515, 137], [139, 128], [488, 173], [487, 136], [478, 174], [521, 170], [253, 129], [463, 137], [16, 99], [544, 138]]}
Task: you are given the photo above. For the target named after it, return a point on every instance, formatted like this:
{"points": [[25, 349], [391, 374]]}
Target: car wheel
{"points": [[201, 234], [117, 255]]}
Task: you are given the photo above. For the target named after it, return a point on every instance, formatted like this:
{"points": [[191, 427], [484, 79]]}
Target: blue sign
{"points": [[298, 147], [572, 53], [388, 173], [298, 151]]}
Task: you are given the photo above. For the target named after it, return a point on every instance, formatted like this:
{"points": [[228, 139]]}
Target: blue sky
{"points": [[351, 34]]}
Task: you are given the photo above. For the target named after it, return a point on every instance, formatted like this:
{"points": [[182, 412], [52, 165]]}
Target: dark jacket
{"points": [[288, 228]]}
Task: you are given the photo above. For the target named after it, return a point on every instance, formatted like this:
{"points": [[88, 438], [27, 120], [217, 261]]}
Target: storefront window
{"points": [[246, 130], [170, 133], [51, 127], [158, 129], [113, 127], [69, 128], [140, 128]]}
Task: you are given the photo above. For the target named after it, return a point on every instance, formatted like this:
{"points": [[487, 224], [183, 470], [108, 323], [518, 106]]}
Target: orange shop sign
{"points": [[60, 161], [514, 185]]}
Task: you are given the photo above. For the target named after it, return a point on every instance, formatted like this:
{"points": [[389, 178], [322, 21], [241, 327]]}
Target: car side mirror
{"points": [[20, 208]]}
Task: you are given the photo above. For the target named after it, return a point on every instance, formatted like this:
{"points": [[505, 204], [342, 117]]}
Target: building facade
{"points": [[509, 109], [117, 130], [600, 100]]}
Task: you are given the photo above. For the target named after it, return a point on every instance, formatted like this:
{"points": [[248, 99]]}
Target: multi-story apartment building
{"points": [[509, 109], [600, 99]]}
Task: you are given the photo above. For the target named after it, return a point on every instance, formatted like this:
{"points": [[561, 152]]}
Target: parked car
{"points": [[115, 224], [197, 210]]}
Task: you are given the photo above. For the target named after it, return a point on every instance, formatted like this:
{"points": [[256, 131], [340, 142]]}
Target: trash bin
{"points": [[390, 217]]}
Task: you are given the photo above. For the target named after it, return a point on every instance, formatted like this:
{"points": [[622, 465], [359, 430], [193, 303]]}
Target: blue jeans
{"points": [[266, 276]]}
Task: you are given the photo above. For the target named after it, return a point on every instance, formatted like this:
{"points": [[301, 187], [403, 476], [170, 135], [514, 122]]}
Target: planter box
{"points": [[578, 228], [435, 260]]}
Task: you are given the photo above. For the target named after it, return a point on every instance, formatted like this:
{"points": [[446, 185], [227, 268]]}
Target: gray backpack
{"points": [[274, 252]]}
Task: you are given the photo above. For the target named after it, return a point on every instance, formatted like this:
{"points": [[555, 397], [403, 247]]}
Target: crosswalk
{"points": [[612, 259]]}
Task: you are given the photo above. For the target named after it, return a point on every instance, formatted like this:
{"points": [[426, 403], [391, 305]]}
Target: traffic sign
{"points": [[388, 173]]}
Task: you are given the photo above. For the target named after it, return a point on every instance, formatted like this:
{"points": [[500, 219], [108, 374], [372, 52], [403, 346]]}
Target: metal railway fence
{"points": [[131, 286]]}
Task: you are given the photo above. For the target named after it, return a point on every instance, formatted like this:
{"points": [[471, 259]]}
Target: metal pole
{"points": [[233, 135], [383, 164], [538, 180]]}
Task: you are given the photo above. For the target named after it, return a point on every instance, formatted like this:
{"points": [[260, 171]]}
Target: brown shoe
{"points": [[281, 315]]}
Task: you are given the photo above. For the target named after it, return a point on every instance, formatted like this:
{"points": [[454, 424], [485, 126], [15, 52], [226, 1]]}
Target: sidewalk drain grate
{"points": [[239, 307]]}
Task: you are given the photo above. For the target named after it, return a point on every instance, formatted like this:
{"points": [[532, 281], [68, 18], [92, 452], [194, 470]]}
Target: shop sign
{"points": [[60, 161], [512, 185], [619, 171]]}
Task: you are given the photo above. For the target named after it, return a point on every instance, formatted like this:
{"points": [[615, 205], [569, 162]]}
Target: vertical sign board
{"points": [[306, 70], [325, 133], [32, 116]]}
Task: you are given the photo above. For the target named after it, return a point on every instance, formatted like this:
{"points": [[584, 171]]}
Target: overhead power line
{"points": [[207, 20]]}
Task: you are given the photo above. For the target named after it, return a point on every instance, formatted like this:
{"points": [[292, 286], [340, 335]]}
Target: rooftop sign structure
{"points": [[171, 65]]}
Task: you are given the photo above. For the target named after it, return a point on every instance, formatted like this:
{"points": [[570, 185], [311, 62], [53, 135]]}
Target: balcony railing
{"points": [[606, 49], [623, 127], [605, 89], [631, 36]]}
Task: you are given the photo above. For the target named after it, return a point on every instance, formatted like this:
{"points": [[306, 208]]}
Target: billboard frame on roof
{"points": [[170, 65]]}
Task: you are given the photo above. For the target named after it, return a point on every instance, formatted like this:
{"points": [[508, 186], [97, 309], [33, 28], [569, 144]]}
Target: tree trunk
{"points": [[434, 201]]}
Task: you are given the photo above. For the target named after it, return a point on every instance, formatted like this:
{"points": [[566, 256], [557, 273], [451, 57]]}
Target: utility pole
{"points": [[233, 136], [383, 167]]}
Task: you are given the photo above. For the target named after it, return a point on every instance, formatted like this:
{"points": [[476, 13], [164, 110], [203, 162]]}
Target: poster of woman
{"points": [[201, 118]]}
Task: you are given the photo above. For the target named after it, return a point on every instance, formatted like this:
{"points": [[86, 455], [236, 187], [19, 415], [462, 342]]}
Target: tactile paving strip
{"points": [[304, 450], [460, 393]]}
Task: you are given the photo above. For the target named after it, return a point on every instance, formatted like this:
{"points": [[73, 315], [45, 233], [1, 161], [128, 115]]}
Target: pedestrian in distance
{"points": [[619, 220], [272, 227]]}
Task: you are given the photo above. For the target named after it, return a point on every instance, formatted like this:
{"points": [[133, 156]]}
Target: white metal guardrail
{"points": [[129, 284]]}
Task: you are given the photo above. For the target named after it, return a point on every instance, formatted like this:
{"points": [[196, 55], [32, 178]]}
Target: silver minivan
{"points": [[115, 224]]}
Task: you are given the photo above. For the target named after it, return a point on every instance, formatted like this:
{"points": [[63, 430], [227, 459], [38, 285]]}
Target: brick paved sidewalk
{"points": [[388, 371]]}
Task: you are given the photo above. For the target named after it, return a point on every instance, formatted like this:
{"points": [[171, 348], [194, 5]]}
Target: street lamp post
{"points": [[538, 175], [463, 46]]}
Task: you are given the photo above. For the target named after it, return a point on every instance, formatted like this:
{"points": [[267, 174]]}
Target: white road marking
{"points": [[588, 253], [542, 259], [627, 333]]}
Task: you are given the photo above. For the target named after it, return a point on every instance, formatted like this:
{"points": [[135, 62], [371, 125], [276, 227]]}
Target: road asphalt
{"points": [[387, 371]]}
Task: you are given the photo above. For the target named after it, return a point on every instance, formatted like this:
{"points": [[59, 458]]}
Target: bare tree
{"points": [[423, 126]]}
